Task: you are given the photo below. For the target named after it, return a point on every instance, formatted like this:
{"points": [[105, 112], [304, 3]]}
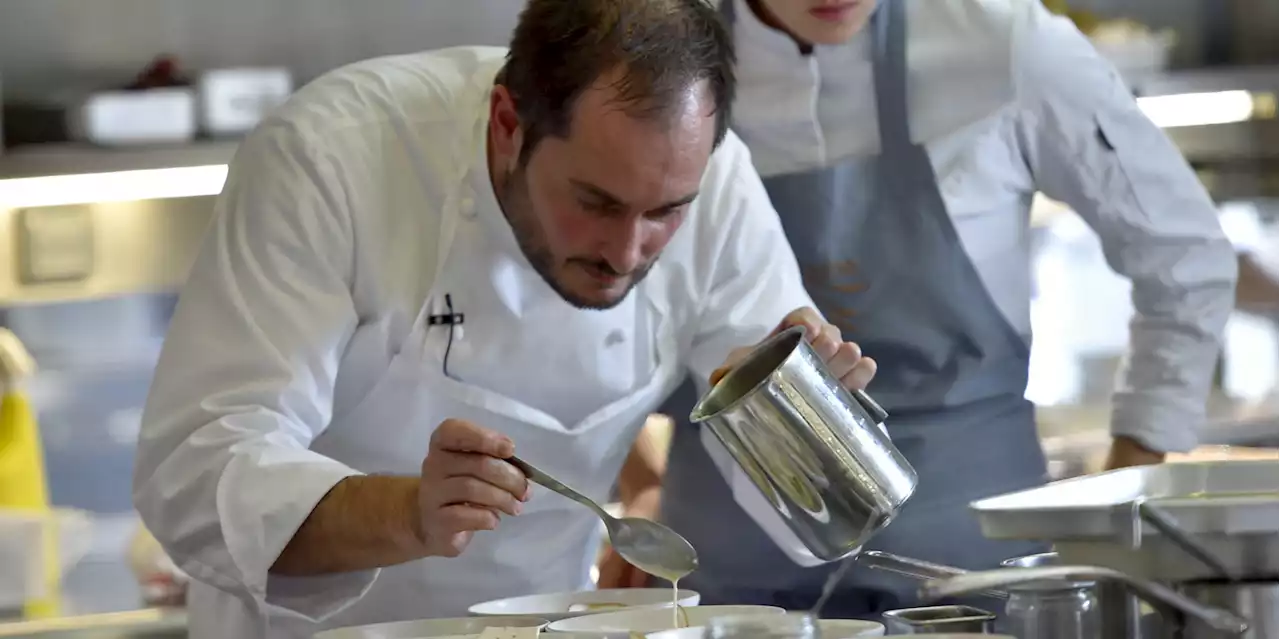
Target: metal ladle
{"points": [[645, 544], [916, 568]]}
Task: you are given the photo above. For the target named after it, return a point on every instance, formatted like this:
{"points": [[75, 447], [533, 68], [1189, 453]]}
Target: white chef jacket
{"points": [[1009, 100], [320, 255]]}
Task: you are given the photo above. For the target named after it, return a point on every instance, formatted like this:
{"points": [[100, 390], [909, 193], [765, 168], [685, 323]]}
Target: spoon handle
{"points": [[553, 484]]}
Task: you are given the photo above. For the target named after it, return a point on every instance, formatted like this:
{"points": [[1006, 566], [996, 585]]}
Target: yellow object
{"points": [[23, 483], [1085, 21], [22, 478]]}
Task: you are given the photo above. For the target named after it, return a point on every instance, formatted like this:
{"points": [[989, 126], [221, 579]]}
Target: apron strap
{"points": [[729, 13], [889, 57]]}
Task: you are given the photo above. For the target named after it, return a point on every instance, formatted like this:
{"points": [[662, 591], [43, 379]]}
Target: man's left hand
{"points": [[844, 359], [1126, 452]]}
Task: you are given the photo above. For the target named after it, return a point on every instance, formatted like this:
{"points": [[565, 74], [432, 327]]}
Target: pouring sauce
{"points": [[667, 574]]}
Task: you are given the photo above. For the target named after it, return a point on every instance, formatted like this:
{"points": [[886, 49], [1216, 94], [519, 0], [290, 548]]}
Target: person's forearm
{"points": [[1126, 452], [642, 472], [365, 522], [1256, 290]]}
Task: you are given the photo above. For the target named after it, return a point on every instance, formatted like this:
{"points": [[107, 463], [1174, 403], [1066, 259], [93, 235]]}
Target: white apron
{"points": [[553, 544]]}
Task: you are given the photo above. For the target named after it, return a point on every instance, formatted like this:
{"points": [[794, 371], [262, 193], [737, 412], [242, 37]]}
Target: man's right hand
{"points": [[466, 483]]}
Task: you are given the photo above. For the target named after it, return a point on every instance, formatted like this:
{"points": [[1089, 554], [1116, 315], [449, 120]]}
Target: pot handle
{"points": [[877, 413]]}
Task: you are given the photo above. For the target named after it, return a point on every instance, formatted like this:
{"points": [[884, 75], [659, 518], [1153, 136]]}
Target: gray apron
{"points": [[882, 260]]}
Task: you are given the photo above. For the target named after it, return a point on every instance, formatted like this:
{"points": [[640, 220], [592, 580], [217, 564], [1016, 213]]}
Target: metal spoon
{"points": [[645, 544]]}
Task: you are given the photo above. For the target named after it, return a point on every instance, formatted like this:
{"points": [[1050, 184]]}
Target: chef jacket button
{"points": [[614, 338]]}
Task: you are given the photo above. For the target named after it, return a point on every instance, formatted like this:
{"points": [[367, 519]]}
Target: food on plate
{"points": [[509, 633], [680, 620], [591, 607]]}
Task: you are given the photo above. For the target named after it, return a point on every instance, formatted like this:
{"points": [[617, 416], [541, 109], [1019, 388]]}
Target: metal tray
{"points": [[1231, 507]]}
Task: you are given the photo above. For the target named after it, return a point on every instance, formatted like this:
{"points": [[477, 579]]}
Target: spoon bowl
{"points": [[652, 547], [645, 544]]}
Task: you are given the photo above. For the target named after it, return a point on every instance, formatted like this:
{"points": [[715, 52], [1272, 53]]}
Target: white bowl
{"points": [[830, 628], [649, 619], [425, 628], [563, 605]]}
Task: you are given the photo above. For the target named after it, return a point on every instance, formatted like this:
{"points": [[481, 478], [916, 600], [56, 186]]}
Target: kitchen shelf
{"points": [[39, 160]]}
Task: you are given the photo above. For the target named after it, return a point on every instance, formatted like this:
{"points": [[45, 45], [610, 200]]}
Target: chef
{"points": [[901, 142], [424, 264]]}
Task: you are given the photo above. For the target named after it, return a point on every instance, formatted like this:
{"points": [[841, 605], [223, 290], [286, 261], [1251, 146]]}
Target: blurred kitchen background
{"points": [[104, 194]]}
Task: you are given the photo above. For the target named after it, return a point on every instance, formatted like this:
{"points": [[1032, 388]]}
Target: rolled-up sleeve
{"points": [[754, 278], [1089, 145], [224, 474]]}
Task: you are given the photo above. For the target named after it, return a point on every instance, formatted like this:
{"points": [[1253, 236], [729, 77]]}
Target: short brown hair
{"points": [[561, 47]]}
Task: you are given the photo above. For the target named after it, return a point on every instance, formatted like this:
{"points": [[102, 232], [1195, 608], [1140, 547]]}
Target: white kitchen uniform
{"points": [[302, 350]]}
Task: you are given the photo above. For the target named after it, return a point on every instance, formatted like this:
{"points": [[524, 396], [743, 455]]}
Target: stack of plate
{"points": [[563, 605]]}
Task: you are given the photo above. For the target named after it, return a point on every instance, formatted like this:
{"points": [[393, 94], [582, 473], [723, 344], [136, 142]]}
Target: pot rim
{"points": [[700, 414]]}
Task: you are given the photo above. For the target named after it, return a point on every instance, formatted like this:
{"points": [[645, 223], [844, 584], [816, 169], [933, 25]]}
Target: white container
{"points": [[22, 550], [621, 624], [433, 628], [233, 101], [828, 628], [563, 605], [121, 118]]}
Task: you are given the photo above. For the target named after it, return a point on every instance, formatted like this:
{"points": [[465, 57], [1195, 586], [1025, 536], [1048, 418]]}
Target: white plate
{"points": [[563, 605], [649, 619], [831, 629], [431, 628]]}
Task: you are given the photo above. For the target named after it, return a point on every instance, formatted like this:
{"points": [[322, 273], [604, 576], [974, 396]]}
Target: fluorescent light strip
{"points": [[1197, 109], [118, 186]]}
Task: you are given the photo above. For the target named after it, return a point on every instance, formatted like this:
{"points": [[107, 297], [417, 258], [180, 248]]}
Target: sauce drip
{"points": [[675, 604], [829, 587]]}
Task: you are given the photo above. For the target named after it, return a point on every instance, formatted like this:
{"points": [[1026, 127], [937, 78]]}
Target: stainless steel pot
{"points": [[815, 450], [1052, 609], [937, 620]]}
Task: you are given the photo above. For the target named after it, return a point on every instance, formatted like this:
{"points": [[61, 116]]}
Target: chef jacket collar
{"points": [[485, 204], [758, 40]]}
